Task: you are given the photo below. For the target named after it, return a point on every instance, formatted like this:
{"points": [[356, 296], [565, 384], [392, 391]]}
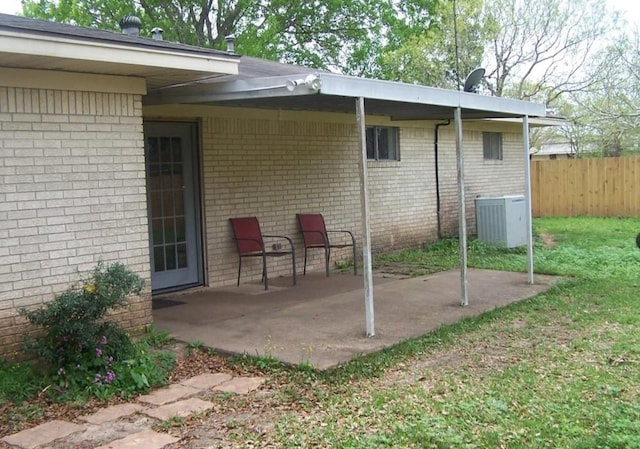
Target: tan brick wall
{"points": [[482, 178], [402, 194], [274, 164], [274, 169], [72, 192]]}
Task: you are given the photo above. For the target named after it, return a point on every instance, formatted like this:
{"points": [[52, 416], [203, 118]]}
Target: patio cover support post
{"points": [[527, 197], [364, 215], [462, 220]]}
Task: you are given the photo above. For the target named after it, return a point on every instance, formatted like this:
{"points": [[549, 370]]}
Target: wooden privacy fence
{"points": [[603, 187]]}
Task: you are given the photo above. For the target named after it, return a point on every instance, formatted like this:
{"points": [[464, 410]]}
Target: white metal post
{"points": [[364, 214], [527, 197], [462, 220]]}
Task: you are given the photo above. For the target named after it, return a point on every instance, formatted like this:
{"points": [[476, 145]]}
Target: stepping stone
{"points": [[112, 413], [207, 380], [240, 385], [147, 439], [182, 409], [169, 394], [42, 434]]}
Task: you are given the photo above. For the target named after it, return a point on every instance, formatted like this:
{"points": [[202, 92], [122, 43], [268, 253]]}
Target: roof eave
{"points": [[346, 86], [39, 45]]}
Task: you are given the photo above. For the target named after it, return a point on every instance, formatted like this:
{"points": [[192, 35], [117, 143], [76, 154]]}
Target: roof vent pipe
{"points": [[156, 33], [130, 25], [231, 42]]}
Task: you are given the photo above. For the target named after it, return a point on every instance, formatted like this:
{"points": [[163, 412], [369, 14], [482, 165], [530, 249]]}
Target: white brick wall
{"points": [[72, 192], [275, 167], [482, 178]]}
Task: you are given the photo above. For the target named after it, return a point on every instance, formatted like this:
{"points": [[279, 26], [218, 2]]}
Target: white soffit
{"points": [[35, 51]]}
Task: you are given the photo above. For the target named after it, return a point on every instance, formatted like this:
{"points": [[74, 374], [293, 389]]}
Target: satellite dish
{"points": [[473, 80]]}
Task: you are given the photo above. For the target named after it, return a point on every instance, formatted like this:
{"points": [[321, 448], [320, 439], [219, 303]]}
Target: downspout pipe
{"points": [[437, 168]]}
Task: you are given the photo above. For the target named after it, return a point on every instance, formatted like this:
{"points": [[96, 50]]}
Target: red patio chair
{"points": [[250, 243], [316, 235]]}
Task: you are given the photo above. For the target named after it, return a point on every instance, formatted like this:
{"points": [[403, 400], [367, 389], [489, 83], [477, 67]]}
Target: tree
{"points": [[607, 116], [425, 49], [331, 34], [542, 46]]}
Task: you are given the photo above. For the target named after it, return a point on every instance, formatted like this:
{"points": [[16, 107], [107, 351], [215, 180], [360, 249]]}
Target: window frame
{"points": [[376, 143], [492, 146]]}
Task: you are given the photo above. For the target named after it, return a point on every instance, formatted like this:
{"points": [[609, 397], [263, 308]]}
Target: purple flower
{"points": [[97, 379], [98, 352], [61, 371], [103, 340], [110, 377]]}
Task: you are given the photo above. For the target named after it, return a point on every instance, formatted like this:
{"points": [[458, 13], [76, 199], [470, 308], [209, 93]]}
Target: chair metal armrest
{"points": [[353, 240], [279, 237]]}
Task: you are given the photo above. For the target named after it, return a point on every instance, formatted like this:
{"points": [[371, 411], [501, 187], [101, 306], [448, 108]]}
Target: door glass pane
{"points": [[156, 203], [165, 150], [176, 150], [178, 202], [178, 180], [169, 230], [154, 176], [182, 255], [180, 229], [152, 150], [156, 232], [165, 176], [170, 255], [158, 258]]}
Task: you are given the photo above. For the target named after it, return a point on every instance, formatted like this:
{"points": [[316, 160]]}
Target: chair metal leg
{"points": [[355, 265], [304, 272], [293, 263], [327, 255], [264, 271], [239, 268]]}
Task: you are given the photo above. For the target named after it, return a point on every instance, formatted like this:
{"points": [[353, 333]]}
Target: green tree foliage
{"points": [[424, 50], [330, 34]]}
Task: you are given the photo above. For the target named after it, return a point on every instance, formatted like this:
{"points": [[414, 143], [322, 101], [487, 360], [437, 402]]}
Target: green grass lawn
{"points": [[561, 370]]}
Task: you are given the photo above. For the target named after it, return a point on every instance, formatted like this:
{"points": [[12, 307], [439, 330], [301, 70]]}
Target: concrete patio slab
{"points": [[42, 434], [321, 321]]}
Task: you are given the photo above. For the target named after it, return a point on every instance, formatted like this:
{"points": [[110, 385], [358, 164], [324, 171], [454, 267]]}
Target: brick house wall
{"points": [[482, 177], [72, 192], [274, 164]]}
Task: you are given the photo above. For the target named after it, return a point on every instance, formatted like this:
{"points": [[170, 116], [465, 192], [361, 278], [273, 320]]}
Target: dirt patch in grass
{"points": [[548, 240]]}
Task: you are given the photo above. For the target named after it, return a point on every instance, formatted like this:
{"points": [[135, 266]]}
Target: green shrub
{"points": [[79, 348]]}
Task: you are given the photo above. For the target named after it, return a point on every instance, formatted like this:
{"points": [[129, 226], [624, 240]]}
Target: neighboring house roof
{"points": [[38, 44], [554, 148]]}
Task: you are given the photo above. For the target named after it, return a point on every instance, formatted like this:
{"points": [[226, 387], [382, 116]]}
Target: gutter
{"points": [[435, 153]]}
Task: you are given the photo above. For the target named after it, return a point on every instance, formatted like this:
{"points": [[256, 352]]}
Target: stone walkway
{"points": [[131, 424]]}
